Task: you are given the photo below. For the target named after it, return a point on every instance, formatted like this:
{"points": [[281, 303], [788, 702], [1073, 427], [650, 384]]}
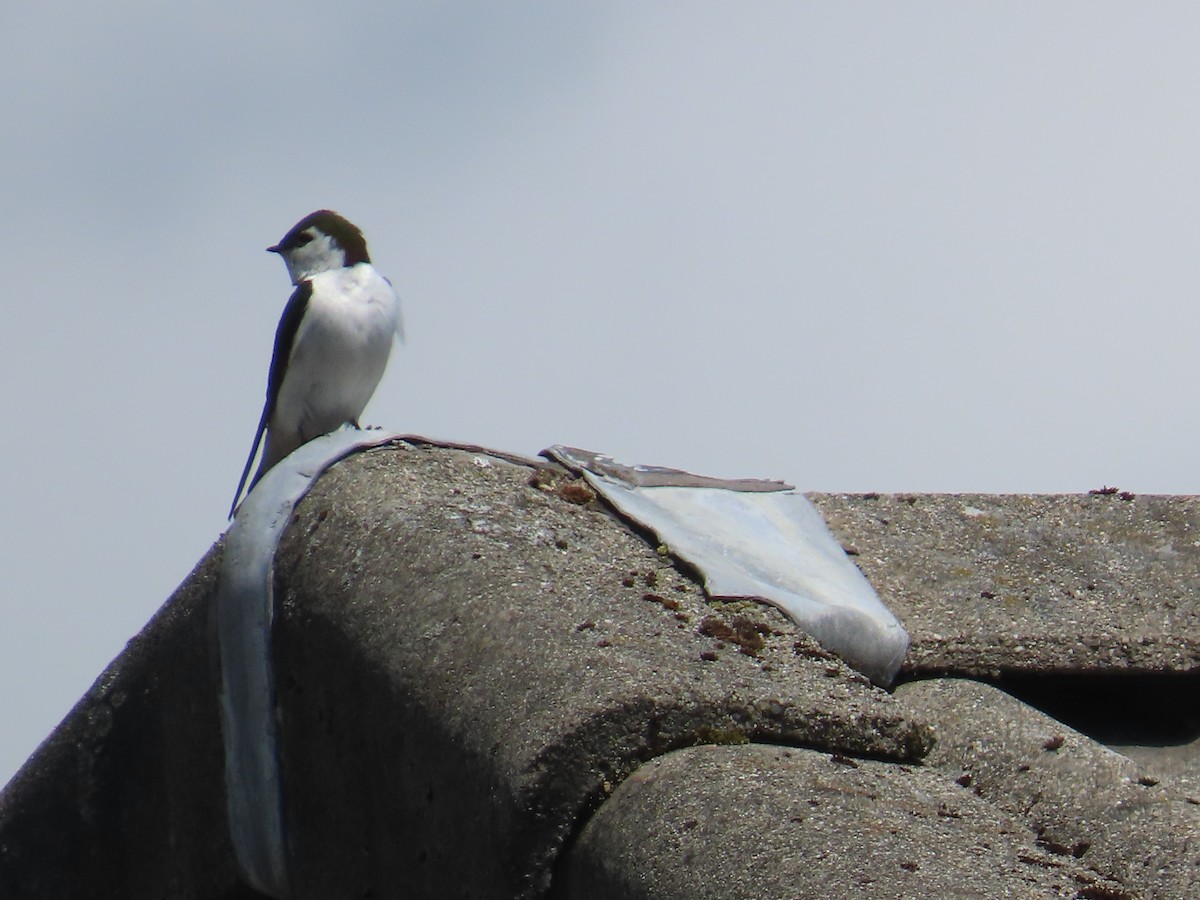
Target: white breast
{"points": [[339, 354]]}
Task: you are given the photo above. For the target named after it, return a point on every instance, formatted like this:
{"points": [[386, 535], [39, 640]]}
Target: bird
{"points": [[332, 343]]}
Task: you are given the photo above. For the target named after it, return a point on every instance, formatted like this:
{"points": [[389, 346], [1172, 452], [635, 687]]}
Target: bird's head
{"points": [[319, 242]]}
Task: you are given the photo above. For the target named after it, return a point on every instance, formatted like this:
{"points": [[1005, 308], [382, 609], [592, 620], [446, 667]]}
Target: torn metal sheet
{"points": [[756, 539], [245, 607]]}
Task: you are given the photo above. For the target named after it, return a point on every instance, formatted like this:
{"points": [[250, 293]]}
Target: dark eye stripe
{"points": [[301, 239]]}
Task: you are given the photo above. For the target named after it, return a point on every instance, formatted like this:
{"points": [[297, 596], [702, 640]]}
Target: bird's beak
{"points": [[274, 248]]}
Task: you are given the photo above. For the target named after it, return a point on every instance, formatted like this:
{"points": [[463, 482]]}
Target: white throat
{"points": [[321, 254]]}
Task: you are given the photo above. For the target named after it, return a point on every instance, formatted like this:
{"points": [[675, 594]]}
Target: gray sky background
{"points": [[930, 246]]}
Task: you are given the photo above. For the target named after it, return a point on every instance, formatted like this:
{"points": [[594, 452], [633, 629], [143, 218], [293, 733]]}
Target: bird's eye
{"points": [[303, 238]]}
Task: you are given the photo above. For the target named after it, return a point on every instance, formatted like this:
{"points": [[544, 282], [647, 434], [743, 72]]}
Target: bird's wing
{"points": [[285, 339], [262, 427]]}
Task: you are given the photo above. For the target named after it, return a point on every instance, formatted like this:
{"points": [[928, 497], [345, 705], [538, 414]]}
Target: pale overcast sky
{"points": [[930, 246]]}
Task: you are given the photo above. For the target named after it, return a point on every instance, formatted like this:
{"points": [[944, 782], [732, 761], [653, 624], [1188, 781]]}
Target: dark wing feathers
{"points": [[262, 427], [285, 339]]}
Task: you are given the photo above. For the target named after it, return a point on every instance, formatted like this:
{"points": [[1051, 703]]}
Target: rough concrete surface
{"points": [[1081, 799], [1001, 583], [478, 660], [126, 798], [761, 822], [490, 687]]}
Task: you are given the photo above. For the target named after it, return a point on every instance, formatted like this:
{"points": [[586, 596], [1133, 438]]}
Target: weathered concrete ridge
{"points": [[1002, 583], [124, 799], [526, 672], [756, 821], [1081, 799], [489, 687]]}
